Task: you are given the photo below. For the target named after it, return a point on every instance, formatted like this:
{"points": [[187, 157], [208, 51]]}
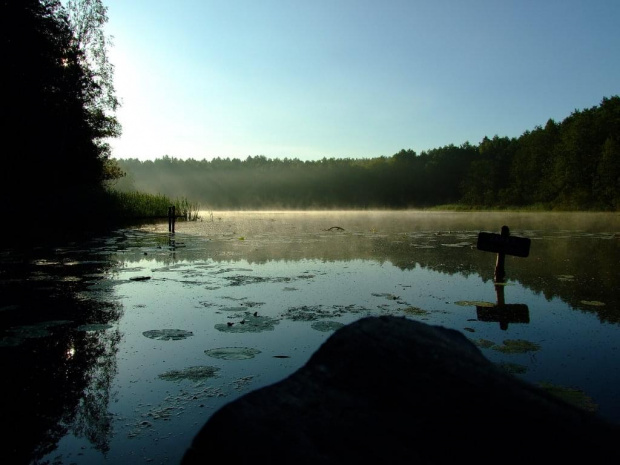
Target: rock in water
{"points": [[389, 390]]}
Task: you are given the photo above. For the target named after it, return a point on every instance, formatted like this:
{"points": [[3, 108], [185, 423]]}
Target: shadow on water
{"points": [[59, 314]]}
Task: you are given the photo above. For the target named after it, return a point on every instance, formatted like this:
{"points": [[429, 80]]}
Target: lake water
{"points": [[118, 350]]}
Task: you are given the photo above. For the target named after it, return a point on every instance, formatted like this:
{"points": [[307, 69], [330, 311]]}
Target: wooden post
{"points": [[503, 244], [500, 270], [171, 219]]}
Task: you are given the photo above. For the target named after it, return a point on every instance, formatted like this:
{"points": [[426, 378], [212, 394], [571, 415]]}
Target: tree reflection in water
{"points": [[57, 374], [92, 419], [64, 318]]}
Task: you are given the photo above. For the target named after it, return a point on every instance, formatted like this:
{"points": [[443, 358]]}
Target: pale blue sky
{"points": [[351, 78]]}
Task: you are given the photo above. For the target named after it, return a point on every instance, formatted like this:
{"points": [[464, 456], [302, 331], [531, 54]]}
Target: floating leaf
{"points": [[415, 311], [517, 346], [325, 326], [167, 334], [571, 395], [484, 343], [233, 353], [251, 324]]}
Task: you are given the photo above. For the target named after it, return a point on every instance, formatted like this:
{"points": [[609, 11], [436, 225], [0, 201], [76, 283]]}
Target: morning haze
{"points": [[144, 292]]}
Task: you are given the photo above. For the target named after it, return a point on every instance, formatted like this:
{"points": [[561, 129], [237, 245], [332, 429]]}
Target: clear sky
{"points": [[310, 79]]}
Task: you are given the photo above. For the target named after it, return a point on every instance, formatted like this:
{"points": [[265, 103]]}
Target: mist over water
{"points": [[390, 221]]}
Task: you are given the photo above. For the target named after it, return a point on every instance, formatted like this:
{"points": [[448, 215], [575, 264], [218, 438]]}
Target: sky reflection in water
{"points": [[188, 283]]}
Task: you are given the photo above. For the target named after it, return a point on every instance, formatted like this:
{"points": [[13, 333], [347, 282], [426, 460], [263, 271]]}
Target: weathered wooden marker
{"points": [[171, 218], [503, 244]]}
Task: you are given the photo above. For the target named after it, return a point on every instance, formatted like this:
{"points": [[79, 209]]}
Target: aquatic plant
{"points": [[167, 334], [326, 326], [571, 395], [143, 205], [233, 353], [517, 346]]}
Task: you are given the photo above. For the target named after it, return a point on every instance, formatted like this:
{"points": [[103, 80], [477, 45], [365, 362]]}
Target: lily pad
{"points": [[571, 395], [196, 373], [517, 346], [326, 325], [167, 334], [415, 311], [251, 324], [484, 343], [233, 353]]}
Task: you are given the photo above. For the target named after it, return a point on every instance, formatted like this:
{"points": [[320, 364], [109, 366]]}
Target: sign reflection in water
{"points": [[121, 349]]}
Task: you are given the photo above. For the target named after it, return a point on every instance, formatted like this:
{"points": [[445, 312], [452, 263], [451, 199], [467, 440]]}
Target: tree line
{"points": [[573, 164]]}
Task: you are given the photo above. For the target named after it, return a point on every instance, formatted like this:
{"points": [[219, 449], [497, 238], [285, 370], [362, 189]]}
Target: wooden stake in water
{"points": [[171, 218], [500, 269], [503, 244]]}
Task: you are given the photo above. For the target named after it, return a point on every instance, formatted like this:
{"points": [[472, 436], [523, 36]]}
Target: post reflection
{"points": [[502, 312]]}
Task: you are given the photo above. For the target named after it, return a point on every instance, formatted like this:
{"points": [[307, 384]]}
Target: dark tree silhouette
{"points": [[57, 112]]}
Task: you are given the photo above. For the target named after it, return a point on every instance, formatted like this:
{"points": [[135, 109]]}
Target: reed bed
{"points": [[142, 205]]}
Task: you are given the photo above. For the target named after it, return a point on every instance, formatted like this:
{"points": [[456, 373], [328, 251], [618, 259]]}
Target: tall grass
{"points": [[187, 209], [139, 205]]}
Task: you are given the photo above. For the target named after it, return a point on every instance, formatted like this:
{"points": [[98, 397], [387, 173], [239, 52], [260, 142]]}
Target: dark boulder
{"points": [[390, 390]]}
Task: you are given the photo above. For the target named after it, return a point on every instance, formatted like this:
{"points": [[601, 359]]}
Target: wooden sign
{"points": [[509, 245]]}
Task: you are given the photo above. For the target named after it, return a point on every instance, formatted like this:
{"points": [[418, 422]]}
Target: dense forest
{"points": [[571, 165], [59, 106], [59, 112]]}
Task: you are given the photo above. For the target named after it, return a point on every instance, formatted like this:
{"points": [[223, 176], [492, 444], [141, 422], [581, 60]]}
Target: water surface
{"points": [[118, 350]]}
